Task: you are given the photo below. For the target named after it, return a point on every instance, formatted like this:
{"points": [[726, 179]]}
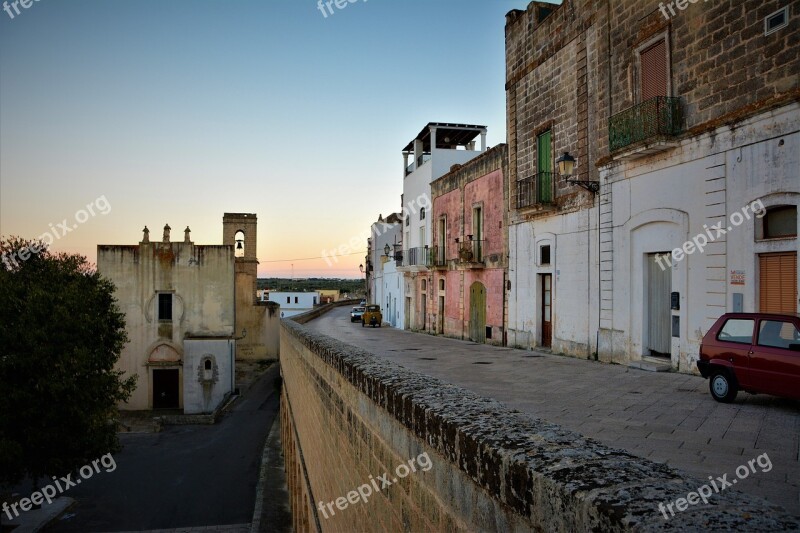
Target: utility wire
{"points": [[310, 258]]}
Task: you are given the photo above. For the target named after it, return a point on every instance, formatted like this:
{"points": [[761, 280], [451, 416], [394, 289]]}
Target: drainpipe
{"points": [[505, 296]]}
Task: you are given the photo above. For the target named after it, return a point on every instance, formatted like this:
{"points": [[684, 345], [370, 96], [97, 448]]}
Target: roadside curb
{"points": [[268, 462], [33, 521]]}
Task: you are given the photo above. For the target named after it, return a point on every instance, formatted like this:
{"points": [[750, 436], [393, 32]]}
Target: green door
{"points": [[544, 168], [477, 312]]}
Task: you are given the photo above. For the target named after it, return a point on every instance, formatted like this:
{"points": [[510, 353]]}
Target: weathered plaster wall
{"points": [[201, 279]]}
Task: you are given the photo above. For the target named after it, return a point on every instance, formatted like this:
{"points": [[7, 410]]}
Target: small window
{"points": [[737, 330], [441, 284], [288, 299], [488, 332], [424, 284], [778, 334], [422, 213], [207, 364], [776, 21], [315, 300], [295, 299], [165, 306], [780, 222], [544, 254]]}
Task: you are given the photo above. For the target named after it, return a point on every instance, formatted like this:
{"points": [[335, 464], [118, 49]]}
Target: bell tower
{"points": [[240, 230]]}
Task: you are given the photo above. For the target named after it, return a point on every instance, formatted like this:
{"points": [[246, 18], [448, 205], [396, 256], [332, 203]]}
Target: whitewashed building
{"points": [[384, 245], [294, 303], [433, 152], [692, 146]]}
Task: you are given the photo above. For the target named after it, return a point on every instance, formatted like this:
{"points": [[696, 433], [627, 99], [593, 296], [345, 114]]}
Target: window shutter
{"points": [[654, 71], [778, 279]]}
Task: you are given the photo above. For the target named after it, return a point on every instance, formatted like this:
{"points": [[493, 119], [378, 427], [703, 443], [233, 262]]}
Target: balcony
{"points": [[416, 257], [646, 128], [536, 190], [471, 253], [424, 158], [438, 257]]}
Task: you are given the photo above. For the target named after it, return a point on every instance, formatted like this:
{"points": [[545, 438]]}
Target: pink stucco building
{"points": [[465, 289]]}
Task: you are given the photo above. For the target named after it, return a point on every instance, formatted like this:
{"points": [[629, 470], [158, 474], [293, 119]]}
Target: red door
{"points": [[734, 344], [775, 361], [547, 310]]}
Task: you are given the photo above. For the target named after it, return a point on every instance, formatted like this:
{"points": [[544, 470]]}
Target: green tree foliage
{"points": [[61, 333]]}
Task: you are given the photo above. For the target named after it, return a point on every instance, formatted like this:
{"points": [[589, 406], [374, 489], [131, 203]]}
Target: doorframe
{"points": [[540, 310], [481, 332], [645, 349], [151, 384]]}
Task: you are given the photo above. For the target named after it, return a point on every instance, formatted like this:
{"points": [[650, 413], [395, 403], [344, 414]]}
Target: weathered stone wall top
{"points": [[494, 159], [555, 479]]}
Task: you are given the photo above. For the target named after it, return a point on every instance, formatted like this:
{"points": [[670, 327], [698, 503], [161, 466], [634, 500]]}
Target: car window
{"points": [[737, 330], [777, 334]]}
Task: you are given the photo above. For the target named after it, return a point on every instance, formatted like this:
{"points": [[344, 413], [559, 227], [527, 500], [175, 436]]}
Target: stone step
{"points": [[651, 366]]}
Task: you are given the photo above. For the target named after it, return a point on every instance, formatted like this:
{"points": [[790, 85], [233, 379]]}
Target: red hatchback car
{"points": [[754, 352]]}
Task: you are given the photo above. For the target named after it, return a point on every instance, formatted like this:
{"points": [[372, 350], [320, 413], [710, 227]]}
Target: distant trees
{"points": [[60, 335], [312, 284]]}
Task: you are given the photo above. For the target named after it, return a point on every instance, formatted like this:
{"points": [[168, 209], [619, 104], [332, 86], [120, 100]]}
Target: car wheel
{"points": [[722, 386]]}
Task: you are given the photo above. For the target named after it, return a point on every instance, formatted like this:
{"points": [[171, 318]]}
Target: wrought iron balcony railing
{"points": [[471, 251], [661, 116], [536, 190], [438, 257]]}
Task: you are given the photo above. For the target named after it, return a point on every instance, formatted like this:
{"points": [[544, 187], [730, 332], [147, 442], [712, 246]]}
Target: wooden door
{"points": [[659, 313], [166, 388], [547, 310], [477, 312], [778, 283]]}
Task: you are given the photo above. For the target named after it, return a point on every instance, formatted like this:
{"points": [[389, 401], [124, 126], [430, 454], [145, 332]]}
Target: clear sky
{"points": [[176, 111]]}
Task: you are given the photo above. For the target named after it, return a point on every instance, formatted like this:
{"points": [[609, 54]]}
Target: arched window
{"points": [[238, 249], [780, 222], [207, 364]]}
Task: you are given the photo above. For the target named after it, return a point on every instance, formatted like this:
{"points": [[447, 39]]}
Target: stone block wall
{"points": [[349, 416]]}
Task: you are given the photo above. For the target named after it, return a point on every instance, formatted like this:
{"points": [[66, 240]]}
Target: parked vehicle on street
{"points": [[753, 352], [362, 303], [356, 313], [372, 316]]}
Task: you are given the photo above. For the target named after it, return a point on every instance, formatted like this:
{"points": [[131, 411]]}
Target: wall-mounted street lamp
{"points": [[361, 268], [566, 167], [386, 250]]}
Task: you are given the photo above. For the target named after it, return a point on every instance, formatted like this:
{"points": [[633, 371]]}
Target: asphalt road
{"points": [[185, 476]]}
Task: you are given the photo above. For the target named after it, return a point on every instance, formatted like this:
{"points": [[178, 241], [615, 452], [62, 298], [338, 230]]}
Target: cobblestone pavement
{"points": [[666, 417]]}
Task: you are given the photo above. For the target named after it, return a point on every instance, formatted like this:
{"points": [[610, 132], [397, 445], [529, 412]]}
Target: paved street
{"points": [[184, 477], [666, 417]]}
